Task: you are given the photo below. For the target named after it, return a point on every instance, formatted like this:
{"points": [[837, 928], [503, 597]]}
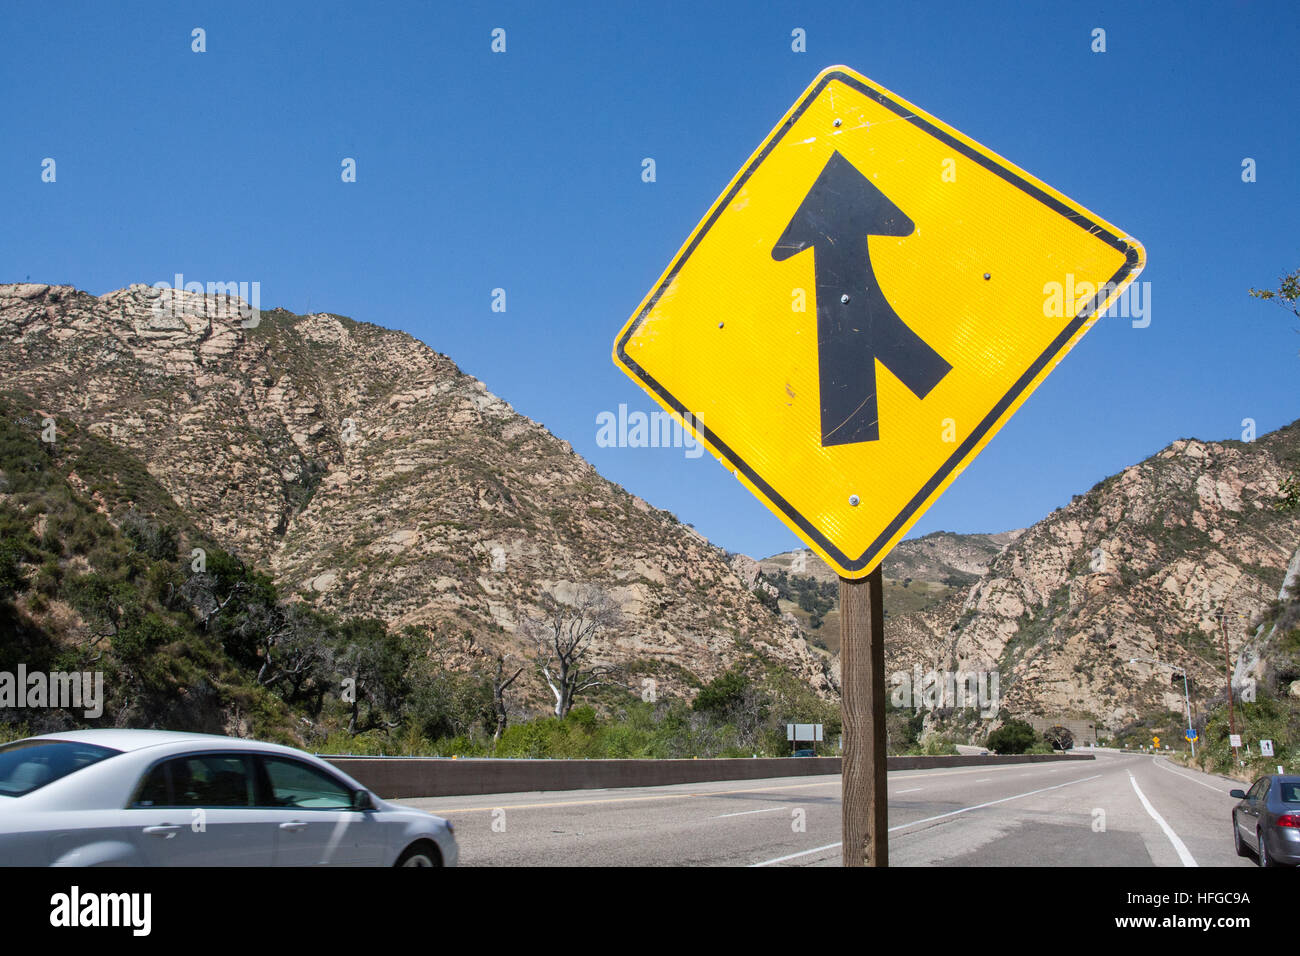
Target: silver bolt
{"points": [[720, 324], [845, 298], [853, 500], [838, 122], [987, 276]]}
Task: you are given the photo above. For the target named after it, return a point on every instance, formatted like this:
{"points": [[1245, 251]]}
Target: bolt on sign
{"points": [[869, 300]]}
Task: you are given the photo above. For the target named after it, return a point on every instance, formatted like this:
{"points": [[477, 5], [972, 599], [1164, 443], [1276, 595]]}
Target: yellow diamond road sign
{"points": [[865, 305]]}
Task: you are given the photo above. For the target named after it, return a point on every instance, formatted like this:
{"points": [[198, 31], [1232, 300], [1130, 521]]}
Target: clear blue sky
{"points": [[523, 171]]}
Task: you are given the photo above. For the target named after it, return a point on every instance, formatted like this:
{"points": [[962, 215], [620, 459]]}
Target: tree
{"points": [[446, 703], [1013, 737], [452, 699], [107, 606], [767, 599], [733, 697], [297, 652], [232, 602], [1287, 293], [11, 572], [1288, 493], [375, 663], [159, 541], [566, 635], [1059, 737], [723, 692], [500, 684]]}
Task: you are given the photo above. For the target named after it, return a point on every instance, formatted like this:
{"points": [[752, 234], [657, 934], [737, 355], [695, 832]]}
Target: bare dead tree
{"points": [[500, 684], [565, 635]]}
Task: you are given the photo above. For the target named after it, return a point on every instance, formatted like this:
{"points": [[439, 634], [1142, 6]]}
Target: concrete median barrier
{"points": [[396, 777]]}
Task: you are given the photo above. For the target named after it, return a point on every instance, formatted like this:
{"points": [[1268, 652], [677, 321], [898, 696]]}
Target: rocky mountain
{"points": [[1271, 656], [372, 477], [940, 558], [920, 573], [1138, 567]]}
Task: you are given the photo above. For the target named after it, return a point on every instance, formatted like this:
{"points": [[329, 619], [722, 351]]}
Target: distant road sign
{"points": [[810, 732], [1191, 734], [869, 300], [1234, 740], [1156, 741], [1266, 748]]}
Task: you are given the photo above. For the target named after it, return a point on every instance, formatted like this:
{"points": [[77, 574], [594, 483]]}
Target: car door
{"points": [[1266, 815], [315, 824], [201, 809], [1254, 804]]}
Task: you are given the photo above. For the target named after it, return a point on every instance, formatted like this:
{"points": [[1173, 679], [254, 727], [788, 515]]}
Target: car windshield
{"points": [[1289, 791], [28, 765]]}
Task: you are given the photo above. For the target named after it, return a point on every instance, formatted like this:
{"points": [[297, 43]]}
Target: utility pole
{"points": [[865, 804], [1227, 657]]}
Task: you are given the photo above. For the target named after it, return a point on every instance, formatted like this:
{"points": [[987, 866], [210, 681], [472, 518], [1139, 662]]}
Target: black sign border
{"points": [[1055, 348]]}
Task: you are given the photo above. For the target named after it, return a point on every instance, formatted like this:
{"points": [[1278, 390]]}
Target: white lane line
{"points": [[743, 813], [983, 779], [675, 795], [913, 790], [942, 816], [1223, 793], [931, 774], [1179, 846], [981, 806], [782, 859]]}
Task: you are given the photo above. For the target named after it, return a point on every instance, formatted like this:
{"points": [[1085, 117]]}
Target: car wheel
{"points": [[423, 853], [1263, 857], [1236, 837]]}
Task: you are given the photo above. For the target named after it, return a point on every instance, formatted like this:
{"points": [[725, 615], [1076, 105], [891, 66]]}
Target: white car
{"points": [[163, 798]]}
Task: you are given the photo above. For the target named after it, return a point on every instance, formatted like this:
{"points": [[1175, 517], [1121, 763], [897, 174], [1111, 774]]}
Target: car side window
{"points": [[154, 789], [200, 780], [296, 784], [1258, 790]]}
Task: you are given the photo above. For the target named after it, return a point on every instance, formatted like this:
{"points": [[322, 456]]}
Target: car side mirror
{"points": [[361, 800], [1239, 794]]}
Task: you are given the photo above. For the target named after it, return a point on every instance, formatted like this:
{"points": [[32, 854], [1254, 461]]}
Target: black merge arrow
{"points": [[855, 323]]}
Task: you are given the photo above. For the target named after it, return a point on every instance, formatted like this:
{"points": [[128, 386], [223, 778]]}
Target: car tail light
{"points": [[1289, 820]]}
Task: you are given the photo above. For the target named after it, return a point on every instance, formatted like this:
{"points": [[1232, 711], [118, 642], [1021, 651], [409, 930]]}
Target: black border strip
{"points": [[1053, 350]]}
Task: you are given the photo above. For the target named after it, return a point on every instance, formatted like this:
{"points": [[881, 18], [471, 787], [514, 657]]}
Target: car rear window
{"points": [[1289, 791], [28, 765]]}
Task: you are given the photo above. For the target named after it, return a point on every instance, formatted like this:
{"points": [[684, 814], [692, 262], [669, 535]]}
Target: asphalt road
{"points": [[1119, 810]]}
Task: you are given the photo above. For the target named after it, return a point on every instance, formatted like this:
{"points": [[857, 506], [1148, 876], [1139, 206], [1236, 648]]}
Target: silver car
{"points": [[162, 798], [1267, 820]]}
